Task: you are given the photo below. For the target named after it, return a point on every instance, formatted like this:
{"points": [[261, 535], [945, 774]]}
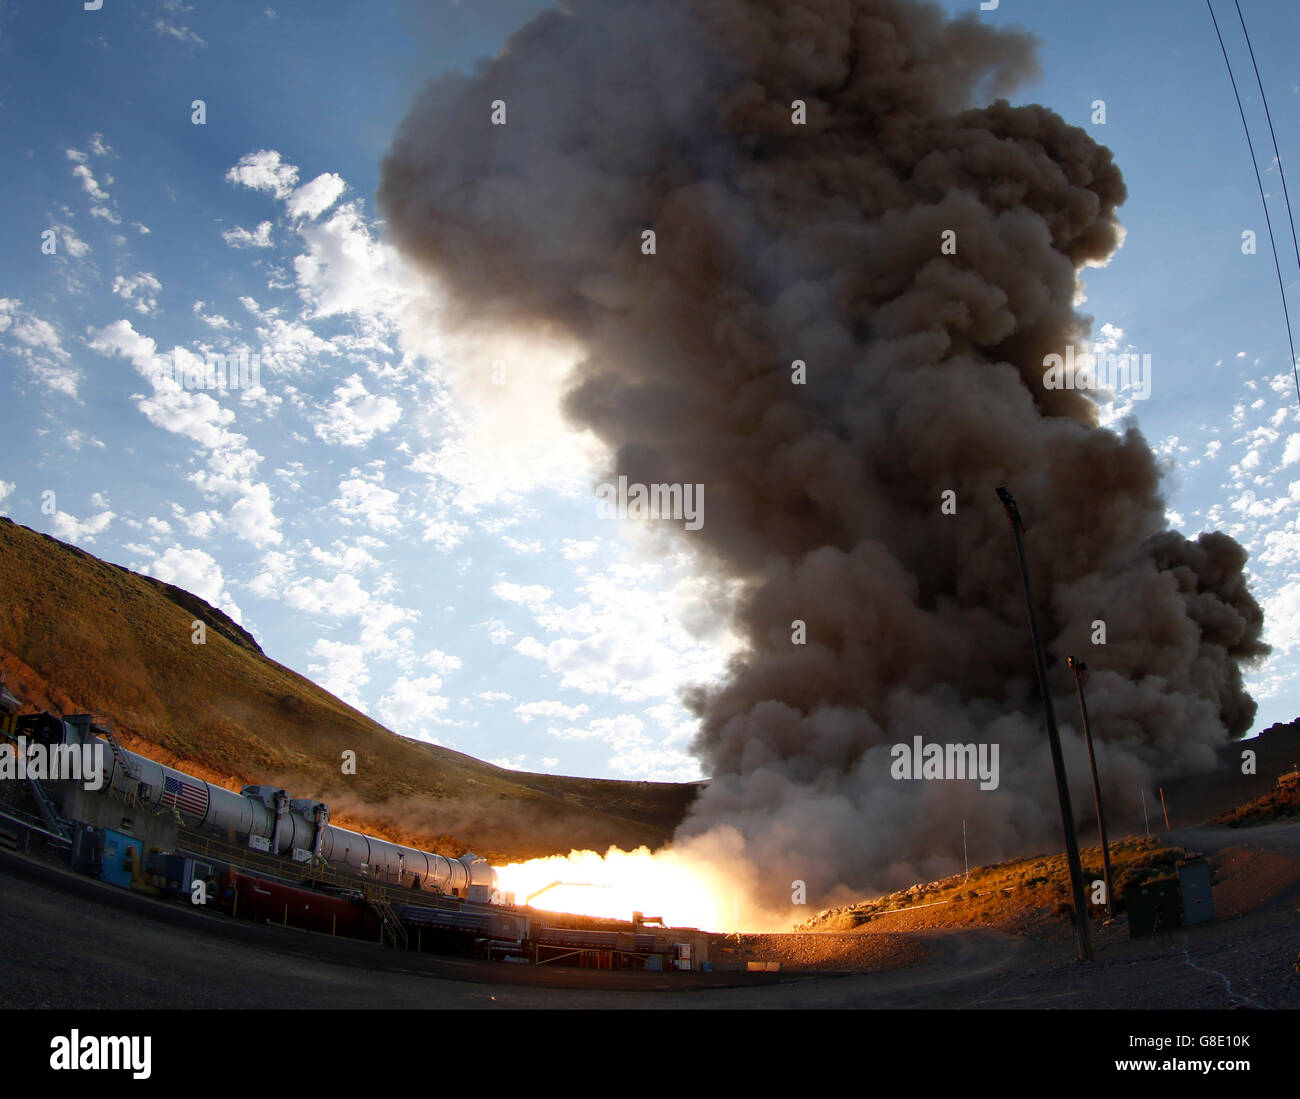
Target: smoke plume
{"points": [[820, 241]]}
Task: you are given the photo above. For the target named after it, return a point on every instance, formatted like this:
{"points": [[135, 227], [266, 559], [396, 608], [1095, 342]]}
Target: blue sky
{"points": [[438, 566]]}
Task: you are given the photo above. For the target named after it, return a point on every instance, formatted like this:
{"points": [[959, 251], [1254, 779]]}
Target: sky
{"points": [[387, 525]]}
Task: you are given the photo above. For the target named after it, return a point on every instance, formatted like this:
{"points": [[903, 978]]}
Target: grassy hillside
{"points": [[1019, 894], [80, 635]]}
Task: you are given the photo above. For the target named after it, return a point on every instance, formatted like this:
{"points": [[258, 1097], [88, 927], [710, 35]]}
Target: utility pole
{"points": [[1053, 738], [1079, 667]]}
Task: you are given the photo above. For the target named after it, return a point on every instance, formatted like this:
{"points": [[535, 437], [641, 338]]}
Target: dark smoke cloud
{"points": [[820, 242]]}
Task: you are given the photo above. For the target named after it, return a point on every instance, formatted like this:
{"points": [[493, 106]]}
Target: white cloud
{"points": [[412, 704], [288, 345], [356, 416], [498, 632], [145, 285], [314, 198], [212, 320], [341, 597], [200, 524], [70, 529], [1282, 617], [532, 545], [39, 347], [197, 572], [72, 244], [344, 672], [88, 182], [231, 462], [635, 634], [277, 568], [252, 515], [239, 237], [380, 635], [533, 596], [181, 34], [345, 558], [441, 662], [346, 269], [367, 501], [445, 533], [634, 753], [550, 708], [264, 171]]}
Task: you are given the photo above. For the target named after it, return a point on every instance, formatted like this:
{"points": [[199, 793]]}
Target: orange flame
{"points": [[683, 891]]}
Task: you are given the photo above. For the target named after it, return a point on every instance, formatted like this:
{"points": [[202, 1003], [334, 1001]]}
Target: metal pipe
{"points": [[1053, 738], [1079, 667]]}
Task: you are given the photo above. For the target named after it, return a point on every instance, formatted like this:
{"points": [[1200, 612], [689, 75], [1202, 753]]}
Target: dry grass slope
{"points": [[1020, 894], [78, 634]]}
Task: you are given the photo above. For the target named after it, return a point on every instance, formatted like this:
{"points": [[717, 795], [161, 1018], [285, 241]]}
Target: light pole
{"points": [[1079, 667], [1053, 739]]}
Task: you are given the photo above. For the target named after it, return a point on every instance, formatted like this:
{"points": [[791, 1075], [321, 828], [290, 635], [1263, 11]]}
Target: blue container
{"points": [[116, 869]]}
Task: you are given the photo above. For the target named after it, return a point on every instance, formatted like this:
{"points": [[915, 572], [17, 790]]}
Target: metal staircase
{"points": [[131, 770], [131, 795], [394, 933], [49, 811]]}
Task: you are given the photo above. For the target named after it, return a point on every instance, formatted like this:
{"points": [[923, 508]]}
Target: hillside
{"points": [[78, 634]]}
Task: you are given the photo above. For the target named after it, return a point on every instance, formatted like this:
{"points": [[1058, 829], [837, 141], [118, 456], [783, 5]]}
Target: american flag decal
{"points": [[189, 799]]}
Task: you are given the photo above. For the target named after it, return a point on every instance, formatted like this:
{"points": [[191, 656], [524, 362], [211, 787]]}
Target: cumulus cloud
{"points": [[264, 170], [314, 198], [71, 529], [37, 344], [197, 572], [356, 416], [550, 708], [141, 290], [367, 502], [230, 463], [411, 705], [239, 237], [343, 671]]}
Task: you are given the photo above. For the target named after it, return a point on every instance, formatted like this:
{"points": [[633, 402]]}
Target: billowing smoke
{"points": [[818, 237]]}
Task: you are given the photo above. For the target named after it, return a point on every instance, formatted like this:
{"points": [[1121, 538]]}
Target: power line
{"points": [[1286, 198], [1254, 163]]}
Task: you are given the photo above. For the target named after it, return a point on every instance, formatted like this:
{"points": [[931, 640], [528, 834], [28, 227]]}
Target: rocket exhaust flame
{"points": [[684, 890], [829, 193]]}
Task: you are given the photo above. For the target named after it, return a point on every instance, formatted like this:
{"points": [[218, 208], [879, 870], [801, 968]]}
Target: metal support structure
{"points": [[1053, 739], [1079, 667]]}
